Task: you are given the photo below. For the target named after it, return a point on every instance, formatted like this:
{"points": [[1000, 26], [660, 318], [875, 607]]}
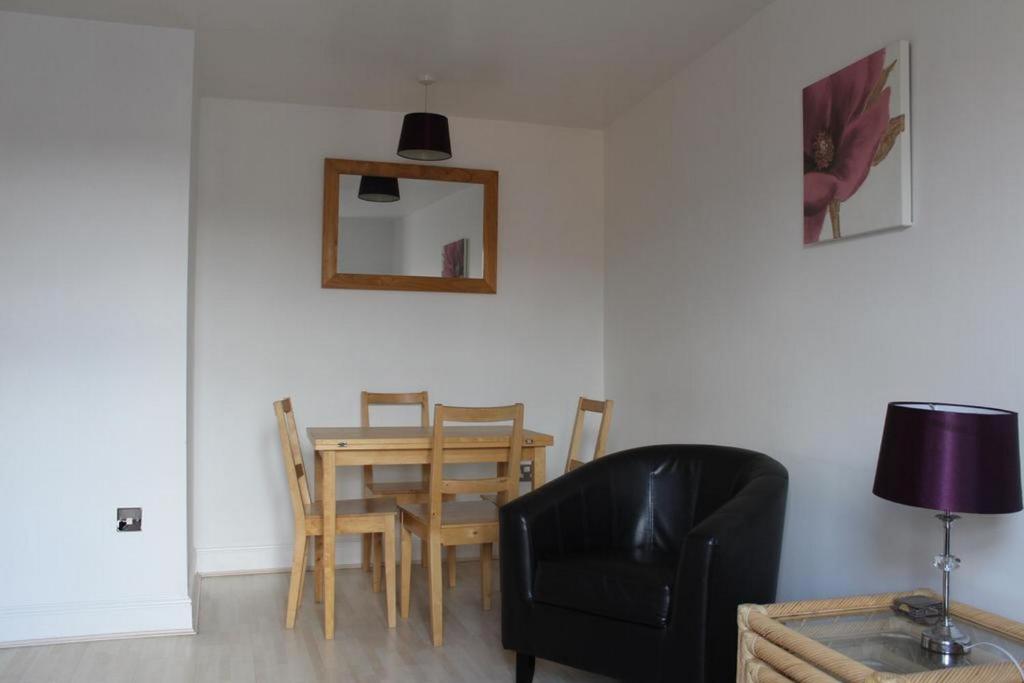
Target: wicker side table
{"points": [[861, 640]]}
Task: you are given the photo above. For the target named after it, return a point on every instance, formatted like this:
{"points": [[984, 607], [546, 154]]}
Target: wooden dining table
{"points": [[356, 446]]}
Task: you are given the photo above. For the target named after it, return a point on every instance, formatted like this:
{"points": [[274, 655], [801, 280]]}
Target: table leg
{"points": [[502, 470], [434, 581], [327, 485], [540, 460], [318, 541]]}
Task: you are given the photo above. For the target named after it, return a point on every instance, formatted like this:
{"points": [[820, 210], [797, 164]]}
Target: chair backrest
{"points": [[507, 483], [298, 485], [420, 398], [373, 398], [588, 405]]}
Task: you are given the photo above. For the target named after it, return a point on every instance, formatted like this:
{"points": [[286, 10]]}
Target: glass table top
{"points": [[886, 641]]}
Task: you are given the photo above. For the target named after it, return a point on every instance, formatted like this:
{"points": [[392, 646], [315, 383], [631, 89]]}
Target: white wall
{"points": [[265, 329], [95, 126], [424, 233], [369, 245], [722, 328]]}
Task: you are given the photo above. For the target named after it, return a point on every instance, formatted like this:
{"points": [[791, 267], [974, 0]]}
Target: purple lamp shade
{"points": [[953, 458]]}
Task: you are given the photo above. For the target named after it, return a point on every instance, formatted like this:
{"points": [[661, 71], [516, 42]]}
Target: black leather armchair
{"points": [[633, 565]]}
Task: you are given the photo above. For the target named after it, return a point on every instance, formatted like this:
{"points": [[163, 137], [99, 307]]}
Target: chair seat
{"points": [[455, 513], [397, 488], [347, 510], [629, 585]]}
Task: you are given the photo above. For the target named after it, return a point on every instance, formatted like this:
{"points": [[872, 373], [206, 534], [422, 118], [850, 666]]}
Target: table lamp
{"points": [[951, 458]]}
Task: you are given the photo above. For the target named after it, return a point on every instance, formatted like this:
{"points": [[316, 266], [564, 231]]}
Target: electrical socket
{"points": [[129, 519], [526, 471]]}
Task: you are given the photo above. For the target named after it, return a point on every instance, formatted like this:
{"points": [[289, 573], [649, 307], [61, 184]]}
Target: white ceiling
{"points": [[569, 62]]}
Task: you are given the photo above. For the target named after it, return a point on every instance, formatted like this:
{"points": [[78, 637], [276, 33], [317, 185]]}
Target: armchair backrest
{"points": [[653, 496]]}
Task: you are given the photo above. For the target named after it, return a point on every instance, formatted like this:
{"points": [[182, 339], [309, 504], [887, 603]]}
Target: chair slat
{"points": [[495, 414], [296, 452], [592, 406], [502, 484], [589, 405], [376, 398], [433, 530], [292, 459]]}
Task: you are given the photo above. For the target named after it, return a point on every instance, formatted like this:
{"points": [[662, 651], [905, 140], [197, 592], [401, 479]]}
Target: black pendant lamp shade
{"points": [[373, 188], [425, 137]]}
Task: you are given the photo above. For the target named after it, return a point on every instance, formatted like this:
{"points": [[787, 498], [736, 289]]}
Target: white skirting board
{"points": [[72, 622], [260, 558]]}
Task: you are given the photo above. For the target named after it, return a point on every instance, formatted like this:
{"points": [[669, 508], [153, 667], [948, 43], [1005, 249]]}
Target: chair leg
{"points": [[367, 551], [389, 571], [406, 569], [298, 556], [450, 551], [525, 666], [305, 567], [423, 555], [436, 594], [486, 550], [377, 558], [318, 569]]}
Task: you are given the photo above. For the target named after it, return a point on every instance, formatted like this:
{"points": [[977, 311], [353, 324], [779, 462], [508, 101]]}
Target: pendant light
{"points": [[424, 135], [374, 188]]}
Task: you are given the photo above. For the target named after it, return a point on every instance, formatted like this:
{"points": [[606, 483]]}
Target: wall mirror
{"points": [[409, 227]]}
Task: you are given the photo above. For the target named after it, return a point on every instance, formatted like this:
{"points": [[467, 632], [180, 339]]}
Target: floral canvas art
{"points": [[453, 259], [857, 147]]}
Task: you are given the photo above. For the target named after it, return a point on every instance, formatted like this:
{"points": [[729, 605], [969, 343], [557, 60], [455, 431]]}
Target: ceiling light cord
{"points": [[1004, 651], [426, 80]]}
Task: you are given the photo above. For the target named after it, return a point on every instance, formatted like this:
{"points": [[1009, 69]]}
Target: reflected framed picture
{"points": [[453, 258], [856, 144]]}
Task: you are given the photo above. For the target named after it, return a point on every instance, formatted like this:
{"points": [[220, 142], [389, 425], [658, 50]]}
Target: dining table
{"points": [[336, 447]]}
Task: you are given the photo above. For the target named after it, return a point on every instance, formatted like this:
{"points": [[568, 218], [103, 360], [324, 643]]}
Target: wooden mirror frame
{"points": [[332, 279]]}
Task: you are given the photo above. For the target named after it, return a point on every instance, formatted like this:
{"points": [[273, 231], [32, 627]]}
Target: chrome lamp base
{"points": [[945, 639]]}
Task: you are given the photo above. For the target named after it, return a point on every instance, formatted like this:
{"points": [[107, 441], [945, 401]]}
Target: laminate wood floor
{"points": [[242, 638]]}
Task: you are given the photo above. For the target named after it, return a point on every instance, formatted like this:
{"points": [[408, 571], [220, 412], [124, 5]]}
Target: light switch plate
{"points": [[129, 519]]}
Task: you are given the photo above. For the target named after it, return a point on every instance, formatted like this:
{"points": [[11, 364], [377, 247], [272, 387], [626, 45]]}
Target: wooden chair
{"points": [[361, 516], [587, 405], [450, 524], [402, 491]]}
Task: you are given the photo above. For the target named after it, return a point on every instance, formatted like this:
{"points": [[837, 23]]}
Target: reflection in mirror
{"points": [[433, 228]]}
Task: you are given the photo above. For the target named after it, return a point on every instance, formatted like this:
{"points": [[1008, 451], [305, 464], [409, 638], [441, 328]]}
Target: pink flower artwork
{"points": [[453, 259], [849, 128]]}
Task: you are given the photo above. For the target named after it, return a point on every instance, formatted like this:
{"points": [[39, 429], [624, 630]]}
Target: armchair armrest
{"points": [[531, 526], [593, 506], [730, 557]]}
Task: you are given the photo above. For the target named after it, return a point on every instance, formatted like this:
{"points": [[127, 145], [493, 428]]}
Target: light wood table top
{"points": [[400, 438]]}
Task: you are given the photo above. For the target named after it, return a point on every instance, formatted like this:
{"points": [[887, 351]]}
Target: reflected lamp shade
{"points": [[947, 457], [374, 188], [425, 137]]}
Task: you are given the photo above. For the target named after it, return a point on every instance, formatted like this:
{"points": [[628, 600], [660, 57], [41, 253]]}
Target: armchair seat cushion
{"points": [[632, 585]]}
